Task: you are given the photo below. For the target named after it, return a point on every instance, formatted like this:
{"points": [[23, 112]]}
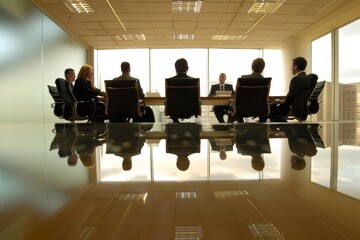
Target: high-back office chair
{"points": [[300, 109], [314, 98], [252, 138], [123, 99], [251, 97], [58, 104], [74, 110], [182, 97]]}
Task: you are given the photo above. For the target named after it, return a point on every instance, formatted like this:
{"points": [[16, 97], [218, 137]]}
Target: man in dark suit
{"points": [[181, 68], [148, 115], [220, 111], [299, 82]]}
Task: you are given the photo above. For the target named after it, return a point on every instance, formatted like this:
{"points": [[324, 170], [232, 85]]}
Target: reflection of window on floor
{"points": [[265, 231], [186, 195], [235, 193], [188, 233]]}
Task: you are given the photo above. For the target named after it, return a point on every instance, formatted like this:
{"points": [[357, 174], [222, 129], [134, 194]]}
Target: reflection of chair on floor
{"points": [[299, 138], [182, 98], [64, 140], [253, 140], [126, 141], [183, 140], [222, 145], [314, 131], [87, 140]]}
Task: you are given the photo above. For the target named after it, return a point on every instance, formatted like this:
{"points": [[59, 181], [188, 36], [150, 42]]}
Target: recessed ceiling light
{"points": [[79, 6], [129, 37], [228, 37], [184, 36], [262, 6], [186, 6]]}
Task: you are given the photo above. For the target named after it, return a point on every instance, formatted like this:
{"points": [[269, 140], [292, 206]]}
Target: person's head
{"points": [[125, 67], [127, 164], [88, 158], [299, 64], [181, 66], [222, 155], [86, 72], [72, 159], [70, 74], [183, 163], [257, 162], [222, 78], [297, 163], [258, 65]]}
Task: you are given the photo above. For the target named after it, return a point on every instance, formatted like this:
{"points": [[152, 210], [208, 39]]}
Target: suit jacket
{"points": [[83, 90], [297, 83], [125, 77], [216, 87], [253, 75]]}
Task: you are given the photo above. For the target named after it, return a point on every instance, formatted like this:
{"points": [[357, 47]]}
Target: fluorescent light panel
{"points": [[262, 6], [228, 37], [129, 37], [79, 6], [184, 36], [189, 6]]}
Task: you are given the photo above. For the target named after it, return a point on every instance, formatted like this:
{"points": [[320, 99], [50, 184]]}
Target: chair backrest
{"points": [[300, 105], [58, 102], [314, 101], [251, 97], [182, 97], [252, 138], [73, 109], [69, 99], [123, 98]]}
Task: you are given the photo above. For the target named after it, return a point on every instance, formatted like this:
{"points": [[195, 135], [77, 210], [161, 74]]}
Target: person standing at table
{"points": [[84, 90], [70, 76], [148, 115], [220, 111], [181, 68]]}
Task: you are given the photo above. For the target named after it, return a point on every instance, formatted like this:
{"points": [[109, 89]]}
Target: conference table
{"points": [[157, 101]]}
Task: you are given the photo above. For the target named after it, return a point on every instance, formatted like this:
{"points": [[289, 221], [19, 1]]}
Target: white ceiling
{"points": [[154, 19]]}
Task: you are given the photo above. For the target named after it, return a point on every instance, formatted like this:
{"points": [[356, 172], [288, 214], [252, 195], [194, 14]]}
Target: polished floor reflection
{"points": [[180, 181]]}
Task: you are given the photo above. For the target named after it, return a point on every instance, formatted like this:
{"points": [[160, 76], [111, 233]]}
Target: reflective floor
{"points": [[180, 181]]}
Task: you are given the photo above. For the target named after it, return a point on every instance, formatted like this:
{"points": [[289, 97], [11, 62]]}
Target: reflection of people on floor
{"points": [[252, 139], [297, 163], [299, 138], [126, 141], [222, 145], [257, 162], [182, 162], [87, 141], [183, 140]]}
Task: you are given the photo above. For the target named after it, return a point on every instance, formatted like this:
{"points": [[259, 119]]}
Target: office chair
{"points": [[182, 97], [251, 98], [124, 100]]}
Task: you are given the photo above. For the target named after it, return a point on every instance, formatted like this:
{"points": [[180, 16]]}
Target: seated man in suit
{"points": [[148, 115], [181, 68], [299, 82], [220, 111]]}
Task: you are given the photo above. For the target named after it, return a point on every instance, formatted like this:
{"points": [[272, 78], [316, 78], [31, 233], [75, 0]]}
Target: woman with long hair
{"points": [[84, 90]]}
